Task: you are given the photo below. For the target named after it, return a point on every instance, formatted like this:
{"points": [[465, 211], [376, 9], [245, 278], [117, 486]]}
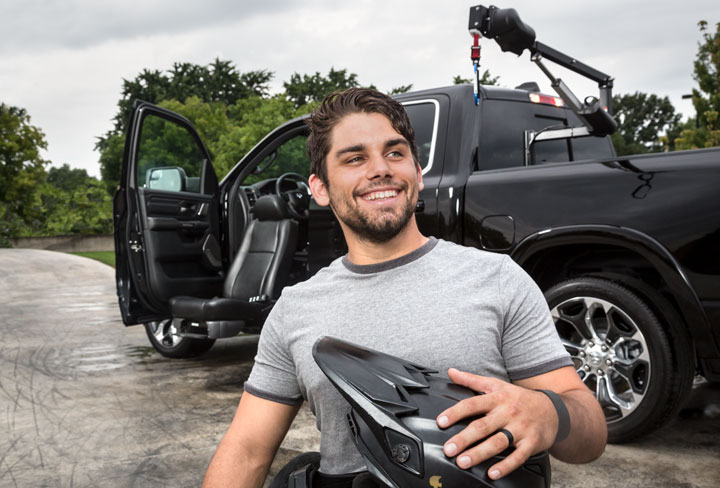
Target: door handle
{"points": [[186, 209], [420, 206]]}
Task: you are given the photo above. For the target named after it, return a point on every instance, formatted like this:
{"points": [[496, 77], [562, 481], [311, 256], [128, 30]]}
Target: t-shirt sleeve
{"points": [[273, 376], [530, 343]]}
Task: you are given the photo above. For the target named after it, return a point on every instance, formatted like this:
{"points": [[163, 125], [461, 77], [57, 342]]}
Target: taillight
{"points": [[546, 99]]}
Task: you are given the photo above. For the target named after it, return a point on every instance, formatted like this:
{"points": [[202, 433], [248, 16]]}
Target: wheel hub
{"points": [[597, 358]]}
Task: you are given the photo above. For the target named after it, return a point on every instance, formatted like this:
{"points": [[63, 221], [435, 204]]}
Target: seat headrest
{"points": [[270, 207]]}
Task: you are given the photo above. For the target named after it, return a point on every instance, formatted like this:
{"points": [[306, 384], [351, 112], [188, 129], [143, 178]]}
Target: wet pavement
{"points": [[86, 401]]}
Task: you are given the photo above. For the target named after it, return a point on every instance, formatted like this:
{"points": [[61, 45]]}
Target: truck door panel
{"points": [[166, 210]]}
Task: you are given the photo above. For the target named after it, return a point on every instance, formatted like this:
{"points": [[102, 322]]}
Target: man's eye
{"points": [[354, 159], [395, 154]]}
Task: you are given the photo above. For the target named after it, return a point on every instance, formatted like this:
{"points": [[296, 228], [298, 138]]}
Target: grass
{"points": [[105, 257]]}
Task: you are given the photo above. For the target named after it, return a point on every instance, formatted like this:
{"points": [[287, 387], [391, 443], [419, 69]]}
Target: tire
{"points": [[163, 338], [622, 353]]}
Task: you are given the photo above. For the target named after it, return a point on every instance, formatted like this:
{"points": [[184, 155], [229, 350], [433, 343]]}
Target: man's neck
{"points": [[362, 252]]}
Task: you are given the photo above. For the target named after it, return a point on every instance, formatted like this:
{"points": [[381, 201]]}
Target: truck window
{"points": [[592, 148], [504, 122], [290, 157], [168, 156], [551, 152], [502, 129], [423, 116], [557, 151]]}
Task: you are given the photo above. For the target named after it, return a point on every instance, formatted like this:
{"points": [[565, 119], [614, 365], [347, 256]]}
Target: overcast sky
{"points": [[64, 60]]}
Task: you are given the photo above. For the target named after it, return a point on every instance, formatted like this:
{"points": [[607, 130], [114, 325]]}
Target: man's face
{"points": [[373, 181]]}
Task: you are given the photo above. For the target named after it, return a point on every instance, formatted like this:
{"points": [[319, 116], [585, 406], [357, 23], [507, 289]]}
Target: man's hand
{"points": [[528, 415]]}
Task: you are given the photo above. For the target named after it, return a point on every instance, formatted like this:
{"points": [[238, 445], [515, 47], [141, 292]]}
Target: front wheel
{"points": [[163, 336], [621, 352]]}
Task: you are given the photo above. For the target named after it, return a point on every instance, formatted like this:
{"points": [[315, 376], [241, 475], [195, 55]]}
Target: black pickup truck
{"points": [[625, 248]]}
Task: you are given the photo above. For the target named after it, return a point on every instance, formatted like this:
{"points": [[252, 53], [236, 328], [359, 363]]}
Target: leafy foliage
{"points": [[83, 209], [34, 201], [642, 118], [231, 111], [217, 83], [485, 79], [166, 144], [304, 89], [21, 170], [252, 119], [400, 89], [228, 132], [706, 98]]}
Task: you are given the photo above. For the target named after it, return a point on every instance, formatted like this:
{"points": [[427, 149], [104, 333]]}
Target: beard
{"points": [[380, 225]]}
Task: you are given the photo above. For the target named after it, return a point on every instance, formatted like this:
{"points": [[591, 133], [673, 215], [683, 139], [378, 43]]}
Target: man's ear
{"points": [[319, 190], [420, 181]]}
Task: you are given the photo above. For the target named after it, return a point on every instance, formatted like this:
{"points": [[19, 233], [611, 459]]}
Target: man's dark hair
{"points": [[339, 104]]}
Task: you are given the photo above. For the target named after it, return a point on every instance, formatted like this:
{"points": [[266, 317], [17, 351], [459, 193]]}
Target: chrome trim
{"points": [[435, 127]]}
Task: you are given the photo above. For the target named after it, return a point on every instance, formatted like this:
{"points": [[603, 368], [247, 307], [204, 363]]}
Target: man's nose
{"points": [[378, 167]]}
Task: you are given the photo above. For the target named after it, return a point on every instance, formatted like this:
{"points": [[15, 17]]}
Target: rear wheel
{"points": [[621, 352], [163, 336]]}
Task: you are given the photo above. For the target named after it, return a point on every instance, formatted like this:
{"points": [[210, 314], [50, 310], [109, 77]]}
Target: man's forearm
{"points": [[588, 434], [234, 467], [246, 451]]}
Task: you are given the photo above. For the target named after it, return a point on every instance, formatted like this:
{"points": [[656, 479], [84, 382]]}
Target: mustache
{"points": [[380, 183]]}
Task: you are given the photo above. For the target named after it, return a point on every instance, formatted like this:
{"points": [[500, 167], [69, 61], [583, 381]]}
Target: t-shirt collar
{"points": [[393, 263]]}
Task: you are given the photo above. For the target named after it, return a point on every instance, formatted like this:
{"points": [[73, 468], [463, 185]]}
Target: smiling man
{"points": [[423, 299], [375, 212]]}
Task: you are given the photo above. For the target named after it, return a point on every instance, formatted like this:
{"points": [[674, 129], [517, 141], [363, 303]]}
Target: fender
{"points": [[642, 244]]}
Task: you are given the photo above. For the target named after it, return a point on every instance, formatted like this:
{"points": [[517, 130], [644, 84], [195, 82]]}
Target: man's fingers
{"points": [[480, 384], [492, 446], [474, 406], [478, 429], [469, 407], [510, 463]]}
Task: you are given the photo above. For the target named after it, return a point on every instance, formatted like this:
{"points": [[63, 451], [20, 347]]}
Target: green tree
{"points": [[228, 132], [304, 89], [211, 119], [22, 169], [74, 206], [706, 98], [485, 79], [252, 119], [111, 147], [66, 178], [642, 118], [219, 82], [400, 89]]}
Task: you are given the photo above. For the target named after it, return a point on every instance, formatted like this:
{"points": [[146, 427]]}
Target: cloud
{"points": [[64, 61], [42, 24]]}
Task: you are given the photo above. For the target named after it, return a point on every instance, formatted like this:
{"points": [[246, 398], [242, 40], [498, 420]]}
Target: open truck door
{"points": [[166, 214]]}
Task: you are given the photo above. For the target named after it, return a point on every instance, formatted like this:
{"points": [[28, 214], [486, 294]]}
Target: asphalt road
{"points": [[85, 401]]}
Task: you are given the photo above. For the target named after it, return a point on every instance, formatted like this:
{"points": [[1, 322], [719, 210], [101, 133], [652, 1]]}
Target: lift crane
{"points": [[506, 28]]}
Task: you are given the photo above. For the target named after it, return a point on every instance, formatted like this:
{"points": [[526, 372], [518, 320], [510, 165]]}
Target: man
{"points": [[429, 301]]}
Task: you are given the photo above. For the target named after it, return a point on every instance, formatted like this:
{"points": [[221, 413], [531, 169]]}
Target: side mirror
{"points": [[169, 178]]}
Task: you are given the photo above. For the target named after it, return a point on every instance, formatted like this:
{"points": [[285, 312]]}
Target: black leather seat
{"points": [[255, 277]]}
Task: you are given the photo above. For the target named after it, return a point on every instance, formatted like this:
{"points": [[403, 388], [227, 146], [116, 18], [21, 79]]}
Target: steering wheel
{"points": [[298, 200]]}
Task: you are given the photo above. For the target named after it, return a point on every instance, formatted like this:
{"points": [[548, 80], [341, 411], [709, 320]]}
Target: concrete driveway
{"points": [[85, 401]]}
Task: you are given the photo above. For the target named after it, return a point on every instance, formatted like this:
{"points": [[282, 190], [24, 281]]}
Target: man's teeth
{"points": [[381, 194]]}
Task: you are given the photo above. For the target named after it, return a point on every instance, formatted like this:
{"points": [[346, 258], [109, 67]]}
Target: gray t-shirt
{"points": [[441, 306]]}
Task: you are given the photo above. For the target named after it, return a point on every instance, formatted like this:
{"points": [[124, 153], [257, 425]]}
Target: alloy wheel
{"points": [[609, 351], [165, 332]]}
